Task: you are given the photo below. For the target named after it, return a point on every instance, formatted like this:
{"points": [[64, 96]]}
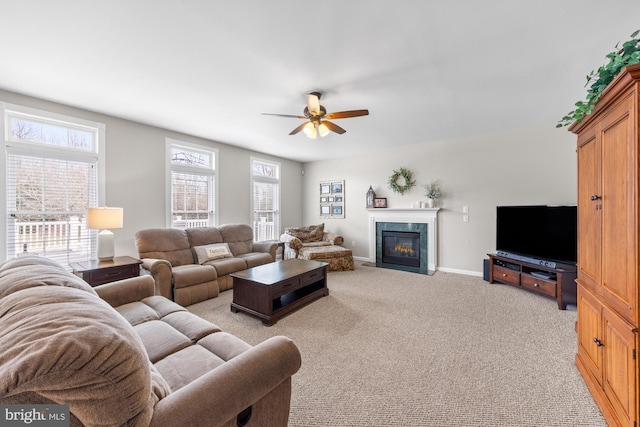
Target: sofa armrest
{"points": [[127, 290], [161, 271], [334, 239], [291, 241], [292, 246], [242, 381], [267, 247]]}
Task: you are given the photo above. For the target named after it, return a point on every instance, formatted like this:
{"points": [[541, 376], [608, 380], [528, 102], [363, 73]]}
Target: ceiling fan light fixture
{"points": [[310, 130], [317, 118], [323, 130], [313, 103]]}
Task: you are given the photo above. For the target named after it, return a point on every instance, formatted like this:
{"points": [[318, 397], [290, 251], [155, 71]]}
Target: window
{"points": [[52, 167], [265, 179], [192, 185]]}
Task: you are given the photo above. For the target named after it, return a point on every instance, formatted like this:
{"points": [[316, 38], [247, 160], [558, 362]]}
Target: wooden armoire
{"points": [[608, 255]]}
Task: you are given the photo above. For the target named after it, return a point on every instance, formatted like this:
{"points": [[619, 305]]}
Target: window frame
{"points": [[12, 145], [268, 180], [212, 170]]}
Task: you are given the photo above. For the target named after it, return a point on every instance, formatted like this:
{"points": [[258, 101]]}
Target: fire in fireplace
{"points": [[400, 247]]}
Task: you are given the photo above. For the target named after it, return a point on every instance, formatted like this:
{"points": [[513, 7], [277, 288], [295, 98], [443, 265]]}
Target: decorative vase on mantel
{"points": [[432, 192]]}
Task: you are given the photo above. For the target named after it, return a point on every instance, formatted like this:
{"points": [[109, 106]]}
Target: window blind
{"points": [[47, 200]]}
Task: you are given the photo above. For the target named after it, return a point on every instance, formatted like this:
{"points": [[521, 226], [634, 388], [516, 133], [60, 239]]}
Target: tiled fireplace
{"points": [[404, 239]]}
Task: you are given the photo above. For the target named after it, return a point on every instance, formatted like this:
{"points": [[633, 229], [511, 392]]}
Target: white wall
{"points": [[535, 166], [135, 173]]}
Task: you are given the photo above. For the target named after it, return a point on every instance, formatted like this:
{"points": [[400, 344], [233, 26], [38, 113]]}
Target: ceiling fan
{"points": [[318, 119]]}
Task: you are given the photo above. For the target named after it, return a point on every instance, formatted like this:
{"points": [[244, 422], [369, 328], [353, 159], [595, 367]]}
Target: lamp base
{"points": [[106, 250]]}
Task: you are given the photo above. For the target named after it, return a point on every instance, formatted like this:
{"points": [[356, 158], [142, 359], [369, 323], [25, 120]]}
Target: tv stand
{"points": [[558, 282]]}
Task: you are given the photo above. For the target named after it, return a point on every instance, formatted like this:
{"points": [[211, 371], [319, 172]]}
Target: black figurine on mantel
{"points": [[370, 196]]}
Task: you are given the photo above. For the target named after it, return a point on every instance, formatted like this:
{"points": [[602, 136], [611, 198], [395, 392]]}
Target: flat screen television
{"points": [[541, 232]]}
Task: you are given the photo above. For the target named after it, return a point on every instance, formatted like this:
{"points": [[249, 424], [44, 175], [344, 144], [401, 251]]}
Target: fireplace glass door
{"points": [[401, 247]]}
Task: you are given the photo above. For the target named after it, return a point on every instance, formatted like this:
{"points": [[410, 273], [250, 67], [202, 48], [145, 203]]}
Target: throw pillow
{"points": [[312, 233], [208, 252]]}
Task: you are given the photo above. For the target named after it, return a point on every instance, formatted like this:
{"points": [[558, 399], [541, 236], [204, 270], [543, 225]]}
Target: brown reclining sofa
{"points": [[183, 269], [119, 355]]}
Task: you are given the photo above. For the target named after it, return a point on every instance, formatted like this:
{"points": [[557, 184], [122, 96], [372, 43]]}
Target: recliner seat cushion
{"points": [[193, 274], [226, 266], [189, 363], [254, 259]]}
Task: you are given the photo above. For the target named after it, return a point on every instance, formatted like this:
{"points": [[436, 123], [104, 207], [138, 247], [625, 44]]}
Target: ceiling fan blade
{"points": [[283, 115], [346, 114], [313, 103], [298, 129], [334, 127]]}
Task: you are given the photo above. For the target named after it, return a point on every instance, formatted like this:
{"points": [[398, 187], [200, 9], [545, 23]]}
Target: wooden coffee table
{"points": [[274, 290]]}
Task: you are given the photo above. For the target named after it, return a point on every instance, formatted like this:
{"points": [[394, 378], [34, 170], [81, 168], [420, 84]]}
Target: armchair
{"points": [[313, 243]]}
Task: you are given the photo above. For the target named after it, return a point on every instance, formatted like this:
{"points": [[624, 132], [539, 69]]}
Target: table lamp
{"points": [[105, 219]]}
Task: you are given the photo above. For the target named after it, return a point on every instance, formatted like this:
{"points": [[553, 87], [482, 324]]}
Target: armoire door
{"points": [[619, 365], [589, 197], [590, 338], [619, 235]]}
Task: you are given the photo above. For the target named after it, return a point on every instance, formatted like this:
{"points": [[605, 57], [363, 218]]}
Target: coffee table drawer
{"points": [[286, 287], [311, 277]]}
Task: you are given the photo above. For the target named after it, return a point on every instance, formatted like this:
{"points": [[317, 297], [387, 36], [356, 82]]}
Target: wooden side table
{"points": [[97, 272]]}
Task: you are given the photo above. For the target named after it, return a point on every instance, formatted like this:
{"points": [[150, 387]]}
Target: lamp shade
{"points": [[104, 218], [323, 130], [310, 130]]}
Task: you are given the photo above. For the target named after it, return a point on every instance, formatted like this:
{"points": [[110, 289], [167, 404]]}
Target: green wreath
{"points": [[406, 175]]}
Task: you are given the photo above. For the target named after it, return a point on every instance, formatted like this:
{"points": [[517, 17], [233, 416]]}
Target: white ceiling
{"points": [[426, 70]]}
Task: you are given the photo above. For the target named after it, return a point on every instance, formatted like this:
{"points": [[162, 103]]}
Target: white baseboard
{"points": [[458, 271], [443, 269]]}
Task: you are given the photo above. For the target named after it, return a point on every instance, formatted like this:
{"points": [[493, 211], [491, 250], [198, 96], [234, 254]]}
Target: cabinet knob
{"points": [[598, 342], [535, 285], [504, 274]]}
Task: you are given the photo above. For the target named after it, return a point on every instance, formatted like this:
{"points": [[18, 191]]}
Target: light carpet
{"points": [[392, 348]]}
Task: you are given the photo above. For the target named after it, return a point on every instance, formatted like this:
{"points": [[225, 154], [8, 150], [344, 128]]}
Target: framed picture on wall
{"points": [[332, 199]]}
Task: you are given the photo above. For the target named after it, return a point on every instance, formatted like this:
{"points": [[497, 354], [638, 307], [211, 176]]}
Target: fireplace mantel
{"points": [[427, 216]]}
